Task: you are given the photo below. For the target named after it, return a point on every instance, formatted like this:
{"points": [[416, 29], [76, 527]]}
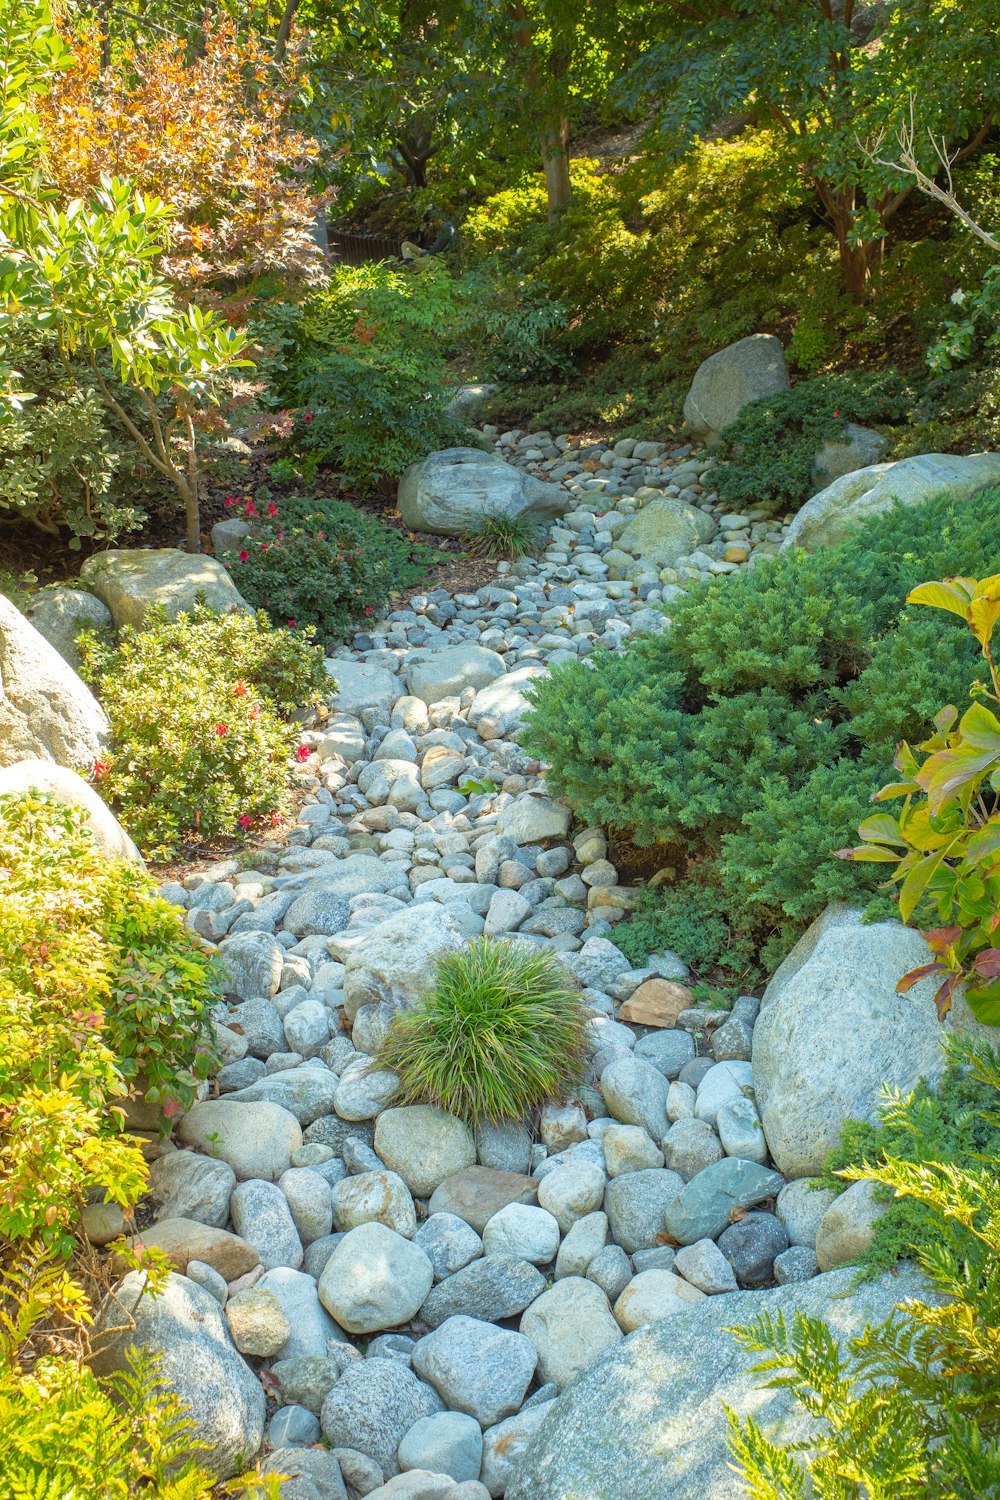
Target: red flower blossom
{"points": [[101, 769], [836, 414], [307, 417], [244, 555], [276, 817], [264, 546], [241, 689], [221, 729], [255, 712], [245, 821], [230, 500], [292, 625], [249, 509], [369, 610], [302, 753], [272, 509]]}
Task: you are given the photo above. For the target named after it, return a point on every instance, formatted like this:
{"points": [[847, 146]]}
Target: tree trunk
{"points": [[285, 29], [188, 487], [555, 158], [856, 257]]}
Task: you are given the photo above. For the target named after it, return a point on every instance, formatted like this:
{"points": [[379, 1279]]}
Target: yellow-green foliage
{"points": [[65, 1435], [100, 983]]}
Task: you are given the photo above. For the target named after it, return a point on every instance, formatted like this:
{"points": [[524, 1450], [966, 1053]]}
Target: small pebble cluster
{"points": [[412, 1291]]}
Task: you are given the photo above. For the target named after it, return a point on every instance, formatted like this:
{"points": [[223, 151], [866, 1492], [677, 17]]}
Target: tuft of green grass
{"points": [[500, 1031], [504, 537]]}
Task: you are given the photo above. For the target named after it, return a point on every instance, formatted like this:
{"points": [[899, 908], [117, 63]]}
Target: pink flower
{"points": [[292, 625], [836, 414], [369, 610], [307, 417], [244, 555], [272, 509], [245, 821], [302, 753], [264, 546], [276, 817], [230, 500], [255, 712], [101, 769], [249, 509], [221, 729]]}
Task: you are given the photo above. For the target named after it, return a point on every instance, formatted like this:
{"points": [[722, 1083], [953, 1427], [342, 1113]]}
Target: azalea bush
{"points": [[322, 563], [200, 742]]}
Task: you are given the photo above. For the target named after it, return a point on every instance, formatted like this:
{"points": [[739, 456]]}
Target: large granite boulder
{"points": [[648, 1420], [66, 786], [128, 582], [727, 381], [829, 516], [60, 613], [46, 712], [453, 492], [186, 1327], [664, 531], [449, 670], [832, 1030]]}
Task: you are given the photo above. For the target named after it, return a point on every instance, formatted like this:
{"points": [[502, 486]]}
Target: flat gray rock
{"points": [[647, 1420]]}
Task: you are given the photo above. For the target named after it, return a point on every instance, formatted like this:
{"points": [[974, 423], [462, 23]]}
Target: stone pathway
{"points": [[415, 1294]]}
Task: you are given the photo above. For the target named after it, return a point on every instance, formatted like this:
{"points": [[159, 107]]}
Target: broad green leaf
{"points": [[953, 595], [916, 883], [881, 829], [980, 728]]}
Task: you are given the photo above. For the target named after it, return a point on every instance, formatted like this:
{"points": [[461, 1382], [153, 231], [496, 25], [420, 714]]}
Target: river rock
{"points": [[492, 1288], [477, 1193], [257, 1140], [46, 712], [664, 531], [704, 1205], [128, 582], [452, 492], [856, 448], [374, 1403], [570, 1325], [448, 671], [476, 1367], [394, 960], [730, 379], [186, 1327], [829, 516], [648, 1420], [424, 1145], [847, 1228], [375, 1279], [832, 1030], [189, 1186]]}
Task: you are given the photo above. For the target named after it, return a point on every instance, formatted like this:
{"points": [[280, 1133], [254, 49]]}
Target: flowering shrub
{"points": [[196, 705], [323, 563], [209, 135]]}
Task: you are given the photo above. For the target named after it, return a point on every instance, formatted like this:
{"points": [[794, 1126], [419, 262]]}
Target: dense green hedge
{"points": [[745, 743]]}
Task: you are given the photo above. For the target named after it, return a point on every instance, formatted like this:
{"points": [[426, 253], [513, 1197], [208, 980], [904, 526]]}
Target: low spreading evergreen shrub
{"points": [[499, 1032], [198, 708], [744, 744]]}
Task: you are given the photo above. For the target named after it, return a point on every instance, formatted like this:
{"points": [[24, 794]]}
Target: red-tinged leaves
{"points": [[943, 998], [940, 939], [926, 971], [987, 963]]}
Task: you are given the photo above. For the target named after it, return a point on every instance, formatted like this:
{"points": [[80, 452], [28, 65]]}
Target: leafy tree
{"points": [[834, 76], [89, 274]]}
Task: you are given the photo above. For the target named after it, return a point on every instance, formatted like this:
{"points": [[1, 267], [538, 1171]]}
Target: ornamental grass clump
{"points": [[500, 1031]]}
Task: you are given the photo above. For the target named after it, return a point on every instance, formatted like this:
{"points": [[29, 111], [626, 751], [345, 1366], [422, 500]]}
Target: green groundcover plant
{"points": [[311, 561], [910, 1408], [742, 746], [198, 708], [498, 1033]]}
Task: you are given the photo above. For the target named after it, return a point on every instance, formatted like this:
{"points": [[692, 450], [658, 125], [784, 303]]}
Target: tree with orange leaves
{"points": [[208, 135]]}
